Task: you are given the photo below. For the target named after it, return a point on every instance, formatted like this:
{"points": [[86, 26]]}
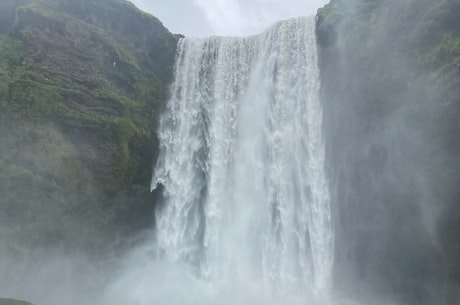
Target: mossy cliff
{"points": [[82, 83], [390, 73]]}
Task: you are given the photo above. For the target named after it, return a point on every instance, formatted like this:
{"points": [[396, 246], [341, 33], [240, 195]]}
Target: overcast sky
{"points": [[225, 17]]}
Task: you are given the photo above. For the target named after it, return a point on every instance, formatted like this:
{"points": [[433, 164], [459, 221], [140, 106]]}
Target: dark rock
{"points": [[391, 109], [12, 302]]}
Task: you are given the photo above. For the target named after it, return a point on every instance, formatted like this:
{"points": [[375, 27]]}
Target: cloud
{"points": [[247, 17], [179, 16], [225, 17]]}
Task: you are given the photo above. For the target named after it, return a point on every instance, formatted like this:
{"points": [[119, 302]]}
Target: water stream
{"points": [[242, 164]]}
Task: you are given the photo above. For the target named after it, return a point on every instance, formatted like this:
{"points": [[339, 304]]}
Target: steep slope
{"points": [[82, 84], [12, 302], [391, 81]]}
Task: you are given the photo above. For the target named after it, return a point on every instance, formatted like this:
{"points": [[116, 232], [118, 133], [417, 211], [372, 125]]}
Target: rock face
{"points": [[12, 302], [82, 83], [391, 92]]}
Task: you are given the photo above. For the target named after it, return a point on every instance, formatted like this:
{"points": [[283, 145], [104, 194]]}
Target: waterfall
{"points": [[242, 162]]}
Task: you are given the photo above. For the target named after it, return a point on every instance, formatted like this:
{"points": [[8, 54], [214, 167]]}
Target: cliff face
{"points": [[391, 90], [12, 302], [81, 86]]}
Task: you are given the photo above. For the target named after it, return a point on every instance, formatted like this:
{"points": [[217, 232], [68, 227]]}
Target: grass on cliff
{"points": [[76, 149], [440, 38]]}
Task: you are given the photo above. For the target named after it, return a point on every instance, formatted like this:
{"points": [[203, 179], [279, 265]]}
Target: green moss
{"points": [[327, 11], [38, 9], [126, 58], [10, 68], [444, 55], [77, 132]]}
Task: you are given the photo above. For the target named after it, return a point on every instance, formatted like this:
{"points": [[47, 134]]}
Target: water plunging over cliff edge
{"points": [[242, 163]]}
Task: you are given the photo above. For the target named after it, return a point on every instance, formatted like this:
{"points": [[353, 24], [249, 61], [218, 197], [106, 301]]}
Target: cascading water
{"points": [[242, 163]]}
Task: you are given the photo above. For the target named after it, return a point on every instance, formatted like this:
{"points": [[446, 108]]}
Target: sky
{"points": [[200, 18]]}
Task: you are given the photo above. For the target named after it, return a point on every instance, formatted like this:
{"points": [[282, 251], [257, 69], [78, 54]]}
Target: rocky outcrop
{"points": [[390, 86], [12, 302], [81, 86]]}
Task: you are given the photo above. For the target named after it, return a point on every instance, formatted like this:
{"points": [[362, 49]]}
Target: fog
{"points": [[201, 18]]}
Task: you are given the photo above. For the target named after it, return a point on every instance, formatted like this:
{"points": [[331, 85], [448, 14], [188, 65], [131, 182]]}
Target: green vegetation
{"points": [[81, 86]]}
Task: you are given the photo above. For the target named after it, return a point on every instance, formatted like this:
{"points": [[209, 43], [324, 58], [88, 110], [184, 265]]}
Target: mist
{"points": [[382, 124]]}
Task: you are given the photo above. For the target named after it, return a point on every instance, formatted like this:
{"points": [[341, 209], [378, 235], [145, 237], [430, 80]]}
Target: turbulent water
{"points": [[242, 164]]}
